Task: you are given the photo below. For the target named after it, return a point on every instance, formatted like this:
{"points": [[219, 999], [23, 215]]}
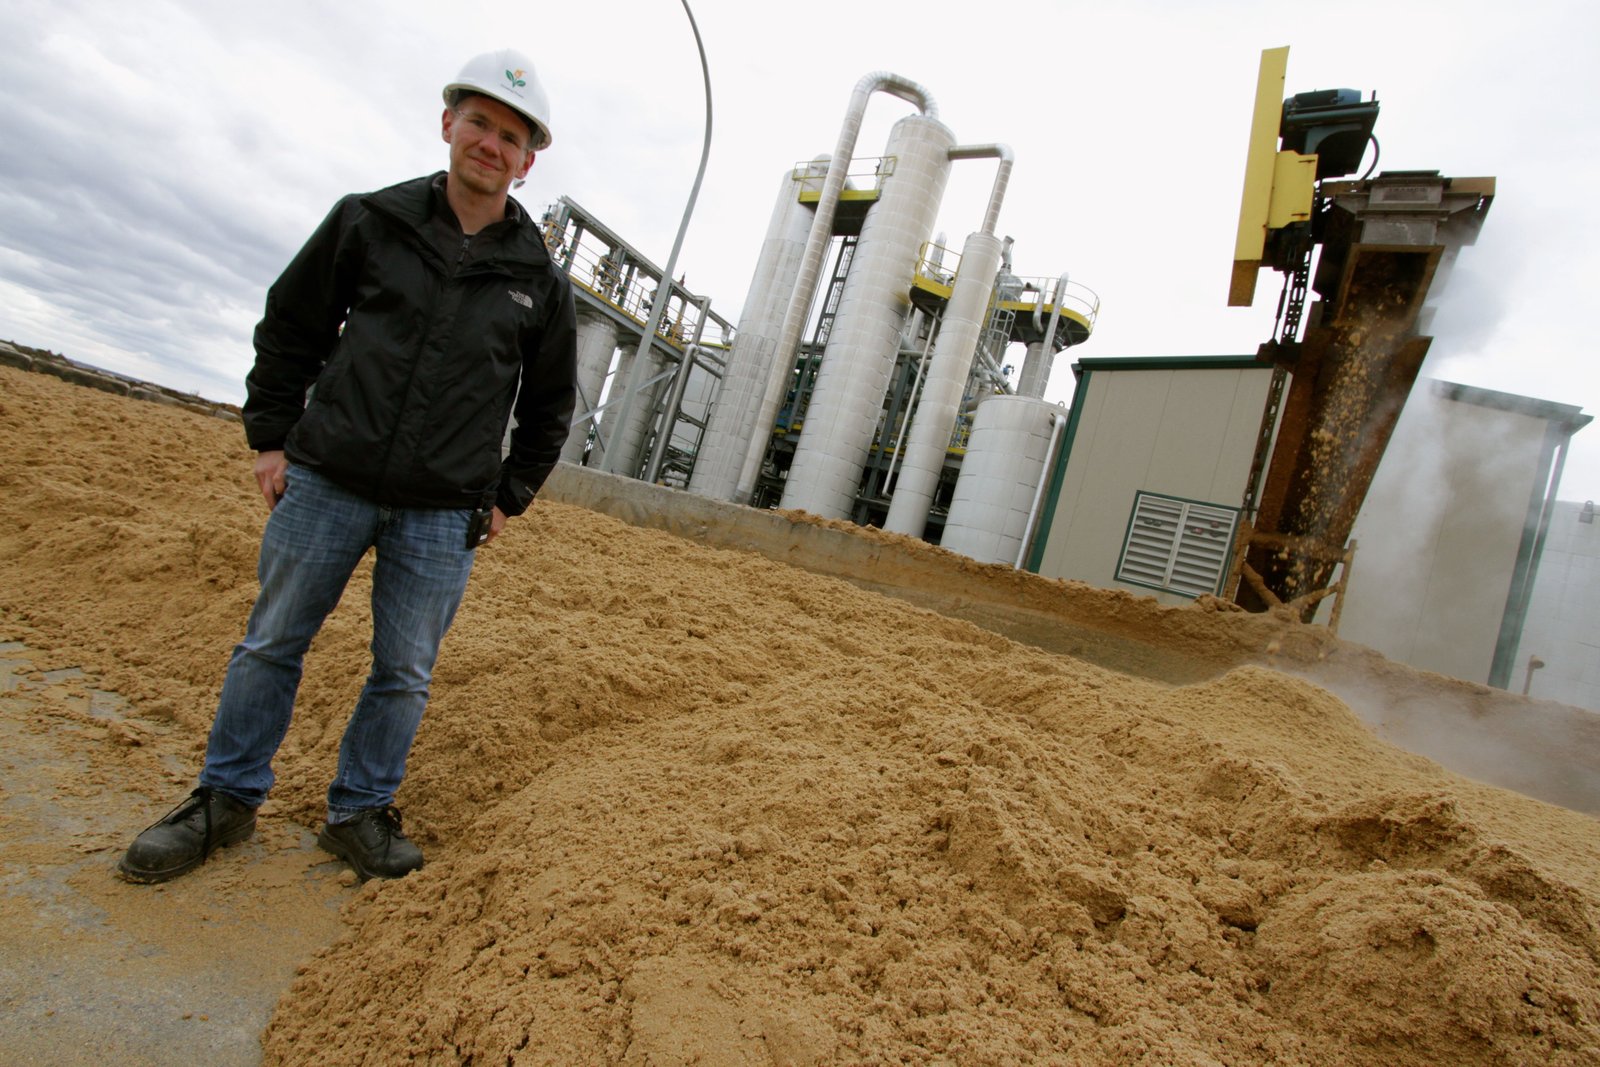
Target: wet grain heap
{"points": [[691, 805]]}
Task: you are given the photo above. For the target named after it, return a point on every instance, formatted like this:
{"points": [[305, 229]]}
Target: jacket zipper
{"points": [[447, 282], [493, 266]]}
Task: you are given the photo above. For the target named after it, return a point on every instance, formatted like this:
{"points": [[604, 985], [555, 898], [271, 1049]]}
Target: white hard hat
{"points": [[507, 76]]}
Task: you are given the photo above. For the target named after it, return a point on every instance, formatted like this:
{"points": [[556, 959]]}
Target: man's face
{"points": [[488, 145]]}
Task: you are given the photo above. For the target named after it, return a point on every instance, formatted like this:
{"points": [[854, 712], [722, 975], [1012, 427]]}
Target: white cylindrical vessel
{"points": [[817, 242], [627, 441], [1007, 456], [597, 344], [1035, 370], [732, 428], [640, 418], [847, 400], [1041, 355], [923, 451]]}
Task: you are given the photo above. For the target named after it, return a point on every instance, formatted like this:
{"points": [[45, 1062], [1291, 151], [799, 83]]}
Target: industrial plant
{"points": [[844, 697], [885, 375]]}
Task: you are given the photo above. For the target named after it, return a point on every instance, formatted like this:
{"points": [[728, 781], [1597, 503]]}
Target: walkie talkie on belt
{"points": [[482, 521], [479, 525]]}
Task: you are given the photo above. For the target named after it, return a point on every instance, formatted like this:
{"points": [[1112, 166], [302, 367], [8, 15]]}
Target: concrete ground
{"points": [[96, 970]]}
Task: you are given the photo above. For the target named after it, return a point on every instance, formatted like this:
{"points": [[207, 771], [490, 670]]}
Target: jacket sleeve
{"points": [[306, 307], [545, 402]]}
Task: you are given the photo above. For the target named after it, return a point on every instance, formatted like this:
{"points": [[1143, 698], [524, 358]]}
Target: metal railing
{"points": [[939, 264], [593, 266], [866, 172], [1078, 298]]}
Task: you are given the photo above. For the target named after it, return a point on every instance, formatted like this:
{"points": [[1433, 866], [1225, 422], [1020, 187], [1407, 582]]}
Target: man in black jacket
{"points": [[395, 347]]}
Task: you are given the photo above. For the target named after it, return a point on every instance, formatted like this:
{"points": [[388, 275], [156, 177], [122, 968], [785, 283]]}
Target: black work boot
{"points": [[186, 835], [373, 844]]}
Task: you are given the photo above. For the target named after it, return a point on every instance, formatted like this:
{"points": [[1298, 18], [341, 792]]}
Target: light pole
{"points": [[637, 371]]}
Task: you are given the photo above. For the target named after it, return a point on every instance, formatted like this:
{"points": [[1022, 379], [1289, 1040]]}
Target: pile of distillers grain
{"points": [[686, 805]]}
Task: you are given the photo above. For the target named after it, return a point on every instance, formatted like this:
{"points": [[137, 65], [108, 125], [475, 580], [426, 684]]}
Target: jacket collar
{"points": [[411, 204]]}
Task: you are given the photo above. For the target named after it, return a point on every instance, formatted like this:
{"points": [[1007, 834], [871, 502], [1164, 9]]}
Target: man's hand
{"points": [[269, 476], [497, 522]]}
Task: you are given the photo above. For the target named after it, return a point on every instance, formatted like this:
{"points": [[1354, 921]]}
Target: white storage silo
{"points": [[1036, 366], [732, 424], [1056, 330], [841, 419], [621, 446], [597, 344], [1008, 455], [925, 445]]}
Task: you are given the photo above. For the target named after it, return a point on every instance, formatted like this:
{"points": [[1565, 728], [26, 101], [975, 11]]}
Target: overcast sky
{"points": [[163, 160]]}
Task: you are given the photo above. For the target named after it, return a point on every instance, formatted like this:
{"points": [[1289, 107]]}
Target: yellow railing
{"points": [[939, 264], [1030, 291], [864, 173]]}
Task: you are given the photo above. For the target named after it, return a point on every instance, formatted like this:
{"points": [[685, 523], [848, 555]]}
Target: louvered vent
{"points": [[1177, 545]]}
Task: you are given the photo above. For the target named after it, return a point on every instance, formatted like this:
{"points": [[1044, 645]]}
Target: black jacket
{"points": [[416, 350]]}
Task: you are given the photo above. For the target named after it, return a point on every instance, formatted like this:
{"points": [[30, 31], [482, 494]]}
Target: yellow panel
{"points": [[1294, 184], [812, 196], [1256, 202], [1026, 307]]}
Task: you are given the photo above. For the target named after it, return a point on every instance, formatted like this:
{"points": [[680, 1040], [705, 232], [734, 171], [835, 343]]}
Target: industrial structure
{"points": [[1559, 658], [868, 379], [1249, 478], [616, 286], [1381, 244], [865, 346], [1155, 462], [1242, 477]]}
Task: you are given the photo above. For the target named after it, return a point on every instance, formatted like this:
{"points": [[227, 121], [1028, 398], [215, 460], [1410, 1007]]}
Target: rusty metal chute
{"points": [[1384, 243]]}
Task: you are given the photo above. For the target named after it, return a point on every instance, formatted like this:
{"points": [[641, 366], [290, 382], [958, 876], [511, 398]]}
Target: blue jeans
{"points": [[313, 541]]}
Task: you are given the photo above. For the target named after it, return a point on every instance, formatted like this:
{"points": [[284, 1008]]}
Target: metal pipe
{"points": [[1057, 422], [805, 286], [1055, 307], [911, 403], [1534, 664], [1055, 314], [994, 369], [663, 292]]}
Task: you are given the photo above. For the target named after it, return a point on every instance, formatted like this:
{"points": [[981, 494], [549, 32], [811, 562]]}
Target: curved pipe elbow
{"points": [[895, 85], [1002, 152]]}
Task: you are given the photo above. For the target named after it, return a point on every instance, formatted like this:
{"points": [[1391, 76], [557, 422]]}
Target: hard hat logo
{"points": [[515, 78]]}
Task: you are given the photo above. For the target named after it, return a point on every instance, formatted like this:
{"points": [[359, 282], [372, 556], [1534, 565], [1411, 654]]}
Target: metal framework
{"points": [[612, 277]]}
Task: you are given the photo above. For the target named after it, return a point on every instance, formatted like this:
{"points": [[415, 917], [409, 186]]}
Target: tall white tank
{"points": [[847, 400], [1007, 456], [1036, 366], [733, 418], [597, 343], [1056, 329], [627, 441], [923, 451]]}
